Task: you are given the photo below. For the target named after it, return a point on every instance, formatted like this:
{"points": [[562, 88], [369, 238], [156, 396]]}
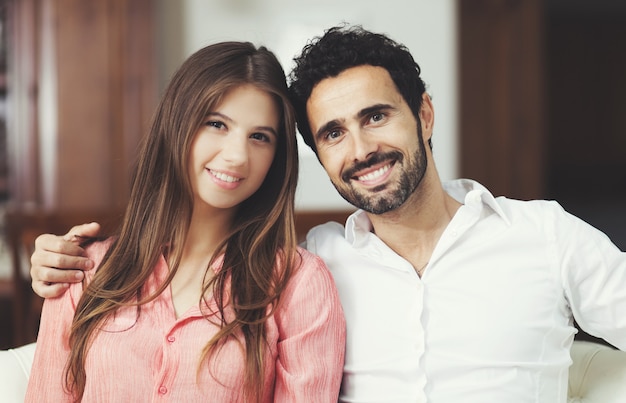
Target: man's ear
{"points": [[427, 117]]}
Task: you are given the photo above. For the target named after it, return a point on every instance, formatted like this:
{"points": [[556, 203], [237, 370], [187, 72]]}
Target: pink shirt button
{"points": [[162, 390], [171, 339]]}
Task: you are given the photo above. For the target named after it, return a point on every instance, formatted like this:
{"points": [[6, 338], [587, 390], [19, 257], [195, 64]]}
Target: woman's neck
{"points": [[206, 233]]}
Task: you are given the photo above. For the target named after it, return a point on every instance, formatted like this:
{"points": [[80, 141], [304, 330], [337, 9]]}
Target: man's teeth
{"points": [[223, 177], [374, 174]]}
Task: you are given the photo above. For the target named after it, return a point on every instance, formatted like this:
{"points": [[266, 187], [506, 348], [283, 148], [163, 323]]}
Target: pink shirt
{"points": [[155, 357]]}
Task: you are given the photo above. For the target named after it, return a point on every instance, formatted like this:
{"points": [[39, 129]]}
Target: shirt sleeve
{"points": [[594, 273], [47, 378], [311, 344]]}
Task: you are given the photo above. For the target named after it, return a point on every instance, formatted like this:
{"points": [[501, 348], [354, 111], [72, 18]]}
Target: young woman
{"points": [[203, 294]]}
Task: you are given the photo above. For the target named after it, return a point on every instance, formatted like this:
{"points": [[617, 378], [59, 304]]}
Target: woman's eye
{"points": [[261, 136], [215, 123]]}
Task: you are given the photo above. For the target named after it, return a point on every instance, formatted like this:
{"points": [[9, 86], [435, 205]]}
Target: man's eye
{"points": [[333, 134], [377, 117]]}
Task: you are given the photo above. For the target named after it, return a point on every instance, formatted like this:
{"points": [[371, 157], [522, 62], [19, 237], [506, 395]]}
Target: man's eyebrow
{"points": [[372, 109], [326, 127]]}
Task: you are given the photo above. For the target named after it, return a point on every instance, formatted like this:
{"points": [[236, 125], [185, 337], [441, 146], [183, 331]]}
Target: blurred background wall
{"points": [[427, 27], [529, 95]]}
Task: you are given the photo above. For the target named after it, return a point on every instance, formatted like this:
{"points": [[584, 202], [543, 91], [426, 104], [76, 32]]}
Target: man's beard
{"points": [[389, 196]]}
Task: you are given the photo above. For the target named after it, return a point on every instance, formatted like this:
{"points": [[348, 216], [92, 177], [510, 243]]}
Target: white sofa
{"points": [[15, 367], [597, 375]]}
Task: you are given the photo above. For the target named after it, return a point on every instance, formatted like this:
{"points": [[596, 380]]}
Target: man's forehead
{"points": [[354, 78], [346, 95]]}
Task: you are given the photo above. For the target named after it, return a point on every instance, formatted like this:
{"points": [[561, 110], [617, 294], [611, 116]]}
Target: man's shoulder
{"points": [[321, 236], [525, 208], [328, 229]]}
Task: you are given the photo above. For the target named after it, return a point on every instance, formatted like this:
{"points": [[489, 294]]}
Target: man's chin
{"points": [[375, 205], [380, 208], [377, 200]]}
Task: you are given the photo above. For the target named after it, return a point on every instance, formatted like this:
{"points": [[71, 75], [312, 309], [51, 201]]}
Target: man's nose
{"points": [[364, 145]]}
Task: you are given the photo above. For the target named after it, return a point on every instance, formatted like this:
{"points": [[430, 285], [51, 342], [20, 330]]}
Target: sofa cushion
{"points": [[597, 374], [15, 365]]}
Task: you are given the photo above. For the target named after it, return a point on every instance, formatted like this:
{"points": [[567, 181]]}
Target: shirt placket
{"points": [[386, 257], [170, 350]]}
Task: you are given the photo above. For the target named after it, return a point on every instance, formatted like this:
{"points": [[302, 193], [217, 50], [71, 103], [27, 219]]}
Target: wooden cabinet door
{"points": [[501, 101]]}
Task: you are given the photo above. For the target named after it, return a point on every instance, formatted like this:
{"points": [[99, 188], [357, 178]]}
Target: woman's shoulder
{"points": [[96, 249], [309, 260], [309, 267], [311, 286]]}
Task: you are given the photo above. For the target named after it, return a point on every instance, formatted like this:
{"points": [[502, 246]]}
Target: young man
{"points": [[449, 293]]}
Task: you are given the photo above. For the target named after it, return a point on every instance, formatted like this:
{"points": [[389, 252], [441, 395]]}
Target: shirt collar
{"points": [[466, 191]]}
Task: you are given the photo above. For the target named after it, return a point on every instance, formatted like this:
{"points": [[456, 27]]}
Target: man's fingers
{"points": [[54, 263], [53, 251], [53, 267], [49, 290], [51, 275], [59, 260], [56, 244], [79, 232], [51, 282]]}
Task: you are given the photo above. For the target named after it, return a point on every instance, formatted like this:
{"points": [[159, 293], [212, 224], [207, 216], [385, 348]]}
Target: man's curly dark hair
{"points": [[342, 47]]}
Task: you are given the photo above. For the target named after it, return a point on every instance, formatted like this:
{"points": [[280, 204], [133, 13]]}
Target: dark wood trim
{"points": [[501, 100], [305, 220]]}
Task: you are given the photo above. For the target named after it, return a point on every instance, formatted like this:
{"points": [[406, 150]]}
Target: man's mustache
{"points": [[377, 158]]}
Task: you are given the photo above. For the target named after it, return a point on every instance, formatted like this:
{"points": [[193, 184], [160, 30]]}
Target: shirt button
{"points": [[171, 339], [453, 233], [162, 390]]}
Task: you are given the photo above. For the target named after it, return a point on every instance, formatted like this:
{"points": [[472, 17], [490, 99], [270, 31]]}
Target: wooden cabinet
{"points": [[83, 86], [501, 95]]}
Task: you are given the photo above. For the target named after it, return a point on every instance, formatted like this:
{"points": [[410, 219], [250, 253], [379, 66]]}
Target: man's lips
{"points": [[373, 175]]}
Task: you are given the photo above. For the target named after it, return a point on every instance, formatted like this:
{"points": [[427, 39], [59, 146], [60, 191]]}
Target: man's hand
{"points": [[59, 260]]}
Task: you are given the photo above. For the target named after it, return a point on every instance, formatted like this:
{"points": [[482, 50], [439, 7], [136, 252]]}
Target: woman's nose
{"points": [[235, 149]]}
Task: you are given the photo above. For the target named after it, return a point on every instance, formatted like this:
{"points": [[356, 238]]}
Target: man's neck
{"points": [[413, 229]]}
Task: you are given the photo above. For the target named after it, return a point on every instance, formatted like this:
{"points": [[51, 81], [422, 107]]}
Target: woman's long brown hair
{"points": [[262, 236]]}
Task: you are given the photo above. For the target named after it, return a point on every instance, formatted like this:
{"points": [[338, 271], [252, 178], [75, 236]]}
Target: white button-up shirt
{"points": [[490, 321]]}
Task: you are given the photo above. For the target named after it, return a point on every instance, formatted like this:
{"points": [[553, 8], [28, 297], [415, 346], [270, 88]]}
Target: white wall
{"points": [[426, 27]]}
